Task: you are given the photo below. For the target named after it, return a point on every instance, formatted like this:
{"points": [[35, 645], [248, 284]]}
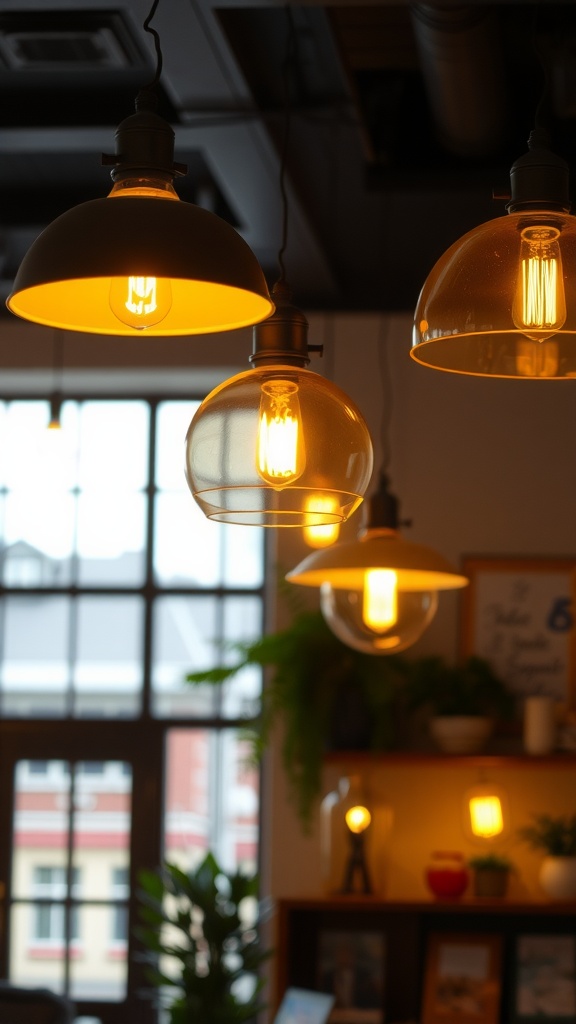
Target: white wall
{"points": [[481, 466]]}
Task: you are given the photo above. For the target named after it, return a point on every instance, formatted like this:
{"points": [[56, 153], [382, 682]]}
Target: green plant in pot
{"points": [[491, 872], [556, 836], [202, 946], [463, 700], [325, 695]]}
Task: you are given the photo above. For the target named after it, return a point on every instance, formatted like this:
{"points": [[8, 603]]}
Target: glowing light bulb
{"points": [[539, 308], [324, 535], [281, 456], [358, 818], [380, 604], [486, 818], [140, 302]]}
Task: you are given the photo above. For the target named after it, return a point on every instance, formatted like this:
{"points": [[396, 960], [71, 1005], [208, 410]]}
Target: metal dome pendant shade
{"points": [[378, 594], [501, 302], [278, 445], [141, 259]]}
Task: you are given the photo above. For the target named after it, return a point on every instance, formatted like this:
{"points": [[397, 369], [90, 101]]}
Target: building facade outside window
{"points": [[113, 586]]}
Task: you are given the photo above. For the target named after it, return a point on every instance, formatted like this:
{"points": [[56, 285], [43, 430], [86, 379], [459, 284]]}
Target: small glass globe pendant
{"points": [[378, 594], [278, 445]]}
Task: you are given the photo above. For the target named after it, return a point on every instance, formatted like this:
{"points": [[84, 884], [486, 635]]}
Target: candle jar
{"points": [[447, 875]]}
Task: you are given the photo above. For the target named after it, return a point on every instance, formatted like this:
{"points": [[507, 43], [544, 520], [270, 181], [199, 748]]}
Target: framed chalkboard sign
{"points": [[519, 614]]}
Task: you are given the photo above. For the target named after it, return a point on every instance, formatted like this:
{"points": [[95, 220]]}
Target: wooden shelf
{"points": [[407, 928], [365, 758]]}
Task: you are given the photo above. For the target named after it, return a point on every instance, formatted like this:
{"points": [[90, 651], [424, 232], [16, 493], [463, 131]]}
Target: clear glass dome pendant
{"points": [[501, 302], [278, 445]]}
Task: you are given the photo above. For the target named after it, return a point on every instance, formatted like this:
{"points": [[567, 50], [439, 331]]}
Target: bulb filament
{"points": [[486, 816], [141, 295], [380, 605], [540, 303], [280, 456]]}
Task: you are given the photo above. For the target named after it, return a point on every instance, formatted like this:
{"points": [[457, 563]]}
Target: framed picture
{"points": [[519, 615], [462, 980], [351, 968], [545, 979]]}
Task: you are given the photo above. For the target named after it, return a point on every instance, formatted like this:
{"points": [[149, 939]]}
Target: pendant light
{"points": [[378, 593], [501, 302], [141, 260], [278, 445]]}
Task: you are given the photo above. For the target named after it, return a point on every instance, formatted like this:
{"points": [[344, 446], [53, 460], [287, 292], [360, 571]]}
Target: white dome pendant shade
{"points": [[141, 260], [501, 302], [378, 594], [278, 445]]}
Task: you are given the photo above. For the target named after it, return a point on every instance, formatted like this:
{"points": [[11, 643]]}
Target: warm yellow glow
{"points": [[540, 303], [380, 605], [280, 457], [358, 818], [321, 536], [486, 818], [140, 302]]}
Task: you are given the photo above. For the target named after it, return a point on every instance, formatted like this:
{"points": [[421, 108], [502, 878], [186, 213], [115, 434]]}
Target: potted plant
{"points": [[491, 872], [463, 700], [202, 947], [557, 837], [325, 694]]}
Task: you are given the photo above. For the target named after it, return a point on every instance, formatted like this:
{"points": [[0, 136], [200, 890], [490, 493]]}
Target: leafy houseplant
{"points": [[470, 688], [464, 700], [490, 862], [557, 837], [195, 921], [324, 693]]}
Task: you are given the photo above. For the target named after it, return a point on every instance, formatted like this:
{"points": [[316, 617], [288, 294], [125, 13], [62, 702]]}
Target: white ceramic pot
{"points": [[558, 877], [460, 734]]}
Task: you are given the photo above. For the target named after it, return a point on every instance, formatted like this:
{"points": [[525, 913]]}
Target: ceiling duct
{"points": [[462, 65]]}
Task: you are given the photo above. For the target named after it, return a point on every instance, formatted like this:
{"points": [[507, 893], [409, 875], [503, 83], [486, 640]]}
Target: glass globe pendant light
{"points": [[378, 594], [141, 260], [278, 445], [501, 302]]}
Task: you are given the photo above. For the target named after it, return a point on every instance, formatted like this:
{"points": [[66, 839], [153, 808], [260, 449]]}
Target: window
{"points": [[49, 883], [112, 586]]}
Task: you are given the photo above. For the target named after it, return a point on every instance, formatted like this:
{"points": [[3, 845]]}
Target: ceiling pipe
{"points": [[461, 62]]}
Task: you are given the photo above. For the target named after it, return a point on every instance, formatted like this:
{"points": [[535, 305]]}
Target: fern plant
{"points": [[198, 948], [556, 836], [315, 684]]}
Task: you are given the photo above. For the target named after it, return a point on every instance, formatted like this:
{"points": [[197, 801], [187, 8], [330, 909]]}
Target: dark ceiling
{"points": [[402, 120]]}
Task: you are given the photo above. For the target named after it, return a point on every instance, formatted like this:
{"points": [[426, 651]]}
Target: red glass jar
{"points": [[447, 875]]}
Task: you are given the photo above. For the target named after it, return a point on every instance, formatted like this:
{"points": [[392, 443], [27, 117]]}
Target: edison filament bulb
{"points": [[539, 308], [281, 455], [380, 599], [140, 302]]}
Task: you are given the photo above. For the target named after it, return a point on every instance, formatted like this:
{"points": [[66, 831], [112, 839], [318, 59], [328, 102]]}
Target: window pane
{"points": [[39, 539], [40, 830], [35, 676], [184, 628], [101, 971], [242, 620], [108, 672], [243, 556], [33, 962], [101, 834], [114, 445], [173, 420], [111, 539], [211, 799], [187, 546]]}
